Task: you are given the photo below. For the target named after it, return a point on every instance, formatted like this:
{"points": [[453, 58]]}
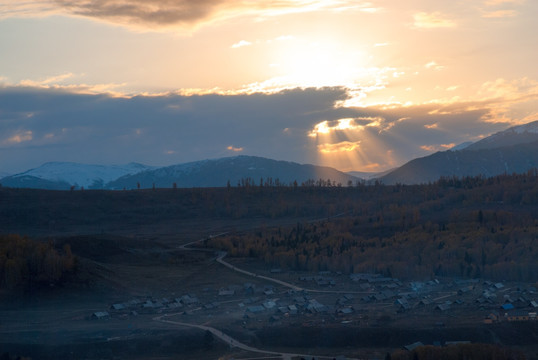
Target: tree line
{"points": [[25, 262], [471, 227]]}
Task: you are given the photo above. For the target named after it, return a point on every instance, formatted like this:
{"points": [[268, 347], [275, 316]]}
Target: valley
{"points": [[166, 273]]}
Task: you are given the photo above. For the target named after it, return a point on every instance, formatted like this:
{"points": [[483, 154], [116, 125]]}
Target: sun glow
{"points": [[350, 144], [318, 63]]}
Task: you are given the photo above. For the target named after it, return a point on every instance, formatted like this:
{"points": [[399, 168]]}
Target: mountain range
{"points": [[514, 150], [205, 173]]}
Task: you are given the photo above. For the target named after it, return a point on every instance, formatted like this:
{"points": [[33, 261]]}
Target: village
{"points": [[328, 299]]}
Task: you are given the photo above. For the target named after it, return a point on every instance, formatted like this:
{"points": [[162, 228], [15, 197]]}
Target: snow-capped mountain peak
{"points": [[515, 135], [83, 175]]}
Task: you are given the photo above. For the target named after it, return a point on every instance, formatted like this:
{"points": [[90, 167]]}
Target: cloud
{"points": [[498, 14], [172, 128], [177, 14], [433, 20], [501, 2], [241, 44], [326, 127], [441, 147], [19, 137], [235, 149], [344, 146], [433, 65]]}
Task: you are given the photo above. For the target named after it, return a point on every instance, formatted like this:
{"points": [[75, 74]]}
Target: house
{"points": [[460, 342], [493, 317], [345, 311], [424, 302], [413, 346], [117, 307], [465, 290], [534, 304], [249, 288], [315, 307], [401, 301], [269, 304], [189, 299], [403, 308], [148, 305], [442, 307], [517, 316], [101, 315], [255, 309], [507, 307], [388, 294], [226, 292]]}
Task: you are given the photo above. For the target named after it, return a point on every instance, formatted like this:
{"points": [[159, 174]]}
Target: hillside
{"points": [[485, 162], [218, 172], [63, 175], [514, 150]]}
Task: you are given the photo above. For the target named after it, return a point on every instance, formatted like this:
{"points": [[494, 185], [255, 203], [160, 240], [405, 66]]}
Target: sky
{"points": [[351, 84]]}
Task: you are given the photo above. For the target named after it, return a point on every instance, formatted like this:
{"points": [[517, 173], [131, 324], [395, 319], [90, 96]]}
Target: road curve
{"points": [[233, 342]]}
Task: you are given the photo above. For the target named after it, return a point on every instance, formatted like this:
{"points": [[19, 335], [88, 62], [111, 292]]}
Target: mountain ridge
{"points": [[204, 173], [514, 150]]}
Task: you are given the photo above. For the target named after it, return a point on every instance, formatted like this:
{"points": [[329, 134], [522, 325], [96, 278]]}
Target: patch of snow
{"points": [[83, 174], [461, 146], [531, 127]]}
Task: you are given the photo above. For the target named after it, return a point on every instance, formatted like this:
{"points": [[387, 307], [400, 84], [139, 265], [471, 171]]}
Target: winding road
{"points": [[228, 339], [233, 342]]}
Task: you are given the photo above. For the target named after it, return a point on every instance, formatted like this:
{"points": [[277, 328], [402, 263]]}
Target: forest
{"points": [[25, 262], [468, 228], [458, 351]]}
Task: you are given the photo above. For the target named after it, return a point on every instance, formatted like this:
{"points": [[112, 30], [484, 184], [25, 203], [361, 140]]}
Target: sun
{"points": [[318, 63]]}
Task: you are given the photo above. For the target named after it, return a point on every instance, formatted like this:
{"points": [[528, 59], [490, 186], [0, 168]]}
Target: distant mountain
{"points": [[368, 175], [461, 146], [514, 150], [63, 175], [217, 173], [515, 135]]}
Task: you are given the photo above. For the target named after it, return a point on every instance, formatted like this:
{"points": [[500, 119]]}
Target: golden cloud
{"points": [[19, 137], [344, 146], [439, 147], [432, 20], [234, 149], [345, 124], [151, 15], [499, 14]]}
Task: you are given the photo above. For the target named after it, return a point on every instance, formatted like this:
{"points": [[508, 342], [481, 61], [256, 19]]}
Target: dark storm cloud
{"points": [[40, 125], [151, 12]]}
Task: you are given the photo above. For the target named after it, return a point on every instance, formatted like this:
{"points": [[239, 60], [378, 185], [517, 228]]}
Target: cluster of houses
{"points": [[296, 303], [135, 307], [319, 280], [263, 300]]}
